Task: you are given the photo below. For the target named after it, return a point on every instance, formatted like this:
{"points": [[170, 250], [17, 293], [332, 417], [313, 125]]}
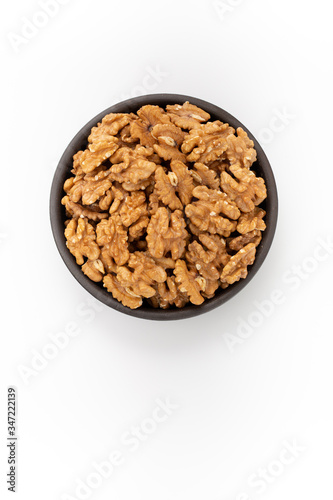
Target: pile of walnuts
{"points": [[163, 206]]}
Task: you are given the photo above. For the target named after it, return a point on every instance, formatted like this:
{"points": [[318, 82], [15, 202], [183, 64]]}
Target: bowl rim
{"points": [[57, 210]]}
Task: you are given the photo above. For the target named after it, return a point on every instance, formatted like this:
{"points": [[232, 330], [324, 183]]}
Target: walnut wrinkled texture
{"points": [[112, 237], [166, 233], [244, 188], [213, 212], [178, 181], [208, 142], [237, 265], [81, 240], [163, 206], [187, 116]]}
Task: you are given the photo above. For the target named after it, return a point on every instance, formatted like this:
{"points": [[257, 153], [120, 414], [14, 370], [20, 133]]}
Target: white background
{"points": [[238, 405]]}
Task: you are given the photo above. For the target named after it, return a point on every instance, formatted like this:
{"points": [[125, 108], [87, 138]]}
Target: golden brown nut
{"points": [[166, 233], [112, 235], [133, 207], [208, 258], [106, 200], [251, 221], [189, 282], [131, 166], [214, 243], [240, 149], [202, 261], [89, 188], [165, 191], [138, 229], [205, 176], [108, 262], [126, 138], [149, 116], [206, 212], [237, 265], [81, 240], [168, 294], [169, 139], [207, 143], [178, 180], [235, 244], [245, 189], [94, 269], [211, 286], [187, 116], [154, 202], [118, 195], [110, 126], [140, 274], [76, 210], [120, 293], [165, 262], [97, 153], [77, 169]]}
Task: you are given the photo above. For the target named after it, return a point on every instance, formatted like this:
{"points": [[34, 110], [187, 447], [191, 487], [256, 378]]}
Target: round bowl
{"points": [[58, 216]]}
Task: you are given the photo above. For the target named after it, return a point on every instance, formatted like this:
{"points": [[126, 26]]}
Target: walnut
{"points": [[207, 143], [169, 138], [120, 293], [112, 235], [198, 257], [76, 210], [131, 166], [235, 244], [81, 240], [240, 149], [97, 153], [94, 269], [149, 116], [165, 190], [126, 137], [237, 265], [189, 282], [178, 180], [77, 169], [187, 116], [205, 176], [208, 257], [118, 195], [246, 190], [89, 188], [206, 213], [140, 274], [106, 200], [168, 294], [138, 228], [219, 166], [252, 220], [137, 186], [217, 245], [69, 184], [110, 126], [154, 202], [165, 262], [211, 286], [108, 262], [166, 233], [133, 207]]}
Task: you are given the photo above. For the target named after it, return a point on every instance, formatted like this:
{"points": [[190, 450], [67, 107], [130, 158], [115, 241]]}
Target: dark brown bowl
{"points": [[58, 217]]}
